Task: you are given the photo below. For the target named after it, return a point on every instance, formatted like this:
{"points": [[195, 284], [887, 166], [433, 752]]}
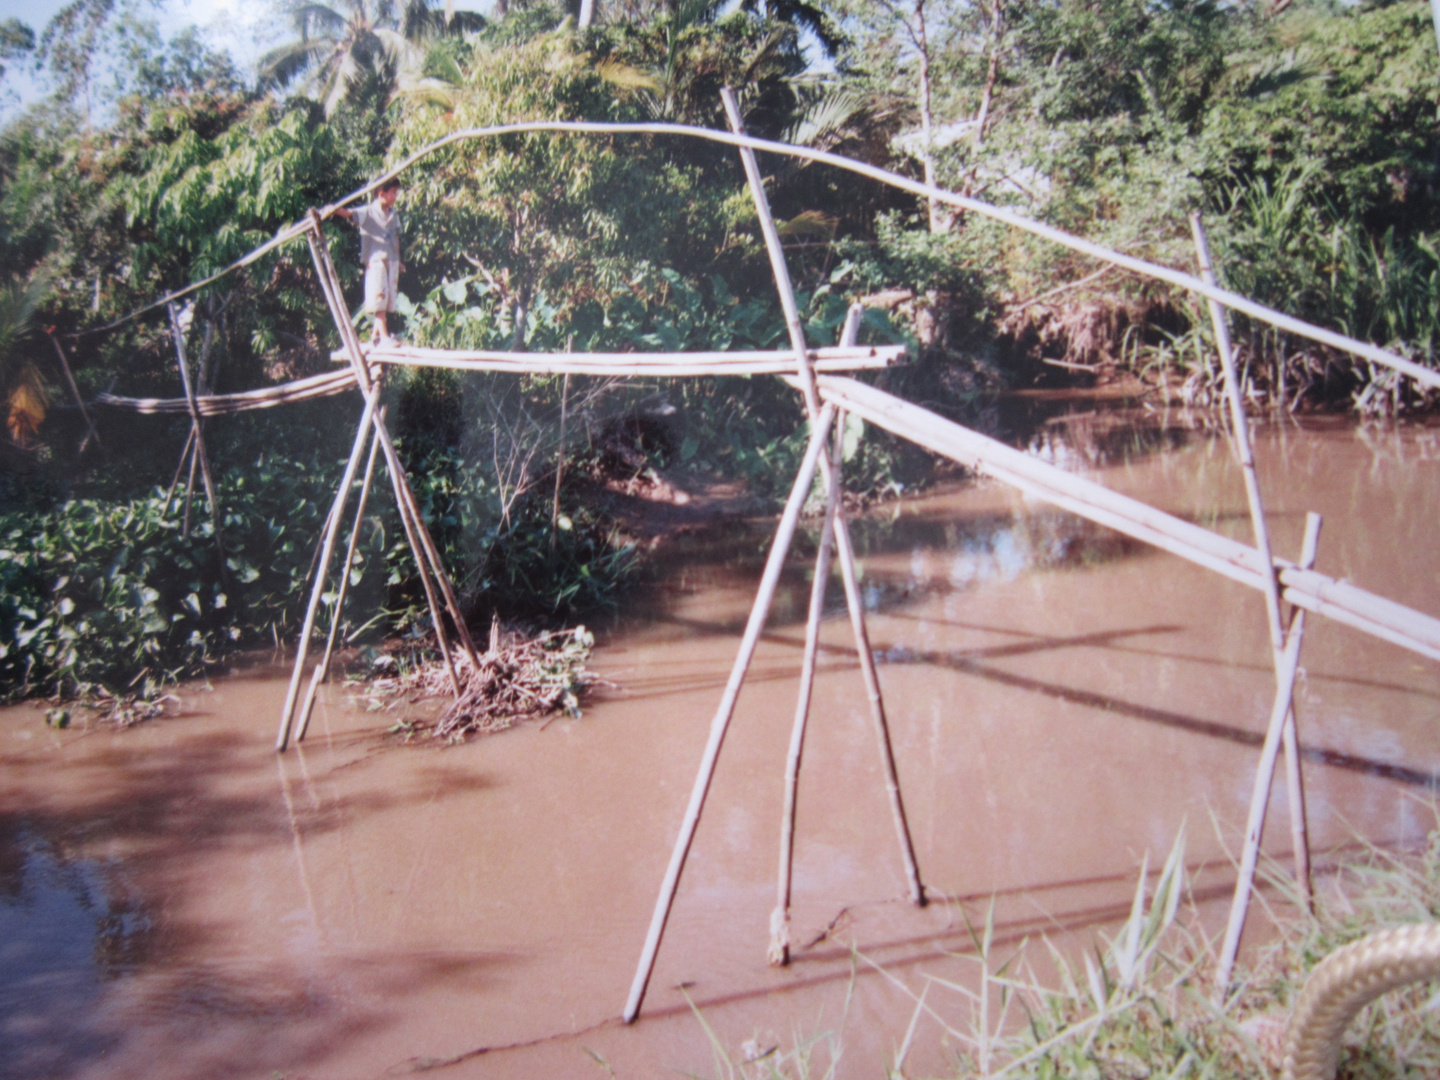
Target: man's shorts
{"points": [[382, 282]]}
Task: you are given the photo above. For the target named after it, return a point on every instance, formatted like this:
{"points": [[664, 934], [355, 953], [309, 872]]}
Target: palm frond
{"points": [[281, 66]]}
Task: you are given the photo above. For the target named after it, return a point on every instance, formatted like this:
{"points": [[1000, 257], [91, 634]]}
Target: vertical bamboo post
{"points": [[320, 249], [1294, 779], [91, 433], [190, 486], [779, 952], [843, 547], [195, 423], [764, 596], [559, 459], [322, 669], [1265, 773]]}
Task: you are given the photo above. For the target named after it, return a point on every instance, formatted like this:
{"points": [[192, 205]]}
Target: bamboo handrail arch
{"points": [[1143, 267]]}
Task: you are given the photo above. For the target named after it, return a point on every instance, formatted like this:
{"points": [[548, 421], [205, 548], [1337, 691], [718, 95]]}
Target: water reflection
{"points": [[64, 933]]}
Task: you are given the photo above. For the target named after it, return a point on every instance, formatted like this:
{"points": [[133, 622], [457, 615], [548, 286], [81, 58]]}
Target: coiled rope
{"points": [[1345, 982]]}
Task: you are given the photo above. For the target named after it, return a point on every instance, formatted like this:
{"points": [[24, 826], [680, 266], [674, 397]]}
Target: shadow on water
{"points": [[67, 927]]}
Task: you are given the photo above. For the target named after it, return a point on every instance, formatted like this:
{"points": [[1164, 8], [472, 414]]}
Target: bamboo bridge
{"points": [[1291, 589]]}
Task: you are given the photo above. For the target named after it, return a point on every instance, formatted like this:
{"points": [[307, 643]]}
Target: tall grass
{"points": [[1143, 1003]]}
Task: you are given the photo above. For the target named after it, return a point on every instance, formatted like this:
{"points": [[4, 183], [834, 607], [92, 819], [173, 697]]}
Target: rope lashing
{"points": [[1344, 983]]}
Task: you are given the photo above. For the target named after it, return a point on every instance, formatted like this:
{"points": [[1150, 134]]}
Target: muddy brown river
{"points": [[176, 900]]}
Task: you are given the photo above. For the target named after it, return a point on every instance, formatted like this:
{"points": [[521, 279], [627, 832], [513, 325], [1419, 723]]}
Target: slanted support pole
{"points": [[1294, 780], [322, 669], [779, 951], [1265, 772], [90, 432], [844, 548], [758, 613]]}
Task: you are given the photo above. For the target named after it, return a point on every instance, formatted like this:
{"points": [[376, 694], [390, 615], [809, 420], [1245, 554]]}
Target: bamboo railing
{"points": [[636, 364], [1308, 589]]}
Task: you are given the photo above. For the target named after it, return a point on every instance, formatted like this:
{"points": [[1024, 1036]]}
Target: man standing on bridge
{"points": [[379, 225]]}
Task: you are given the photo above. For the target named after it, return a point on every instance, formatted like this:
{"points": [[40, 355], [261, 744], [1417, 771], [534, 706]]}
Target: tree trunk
{"points": [[927, 153], [991, 73]]}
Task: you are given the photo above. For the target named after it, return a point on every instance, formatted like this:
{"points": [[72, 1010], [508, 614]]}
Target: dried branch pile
{"points": [[518, 680]]}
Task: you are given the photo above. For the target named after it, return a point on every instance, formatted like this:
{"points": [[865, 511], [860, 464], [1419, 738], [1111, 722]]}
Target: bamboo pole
{"points": [[764, 596], [75, 393], [559, 464], [312, 386], [803, 363], [1265, 773], [179, 468], [195, 421], [330, 283], [322, 669], [1241, 425], [371, 396], [1337, 600], [190, 486], [327, 552], [779, 952], [398, 474], [639, 364], [806, 377]]}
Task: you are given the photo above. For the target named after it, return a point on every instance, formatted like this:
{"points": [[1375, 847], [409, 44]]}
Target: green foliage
{"points": [[96, 594]]}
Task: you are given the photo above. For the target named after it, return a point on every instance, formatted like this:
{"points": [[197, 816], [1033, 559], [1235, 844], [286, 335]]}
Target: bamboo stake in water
{"points": [[327, 552], [1239, 421], [322, 669], [1265, 773], [764, 596], [779, 952], [844, 549]]}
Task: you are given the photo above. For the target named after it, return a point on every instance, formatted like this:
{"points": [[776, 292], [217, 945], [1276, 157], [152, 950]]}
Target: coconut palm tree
{"points": [[341, 47]]}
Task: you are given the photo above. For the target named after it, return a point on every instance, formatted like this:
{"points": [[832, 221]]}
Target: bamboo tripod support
{"points": [[426, 557], [1243, 450], [821, 419], [322, 669], [843, 546], [1265, 774], [426, 553], [1280, 646], [784, 534], [196, 442]]}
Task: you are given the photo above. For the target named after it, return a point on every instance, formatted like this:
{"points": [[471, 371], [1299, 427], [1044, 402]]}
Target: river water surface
{"points": [[176, 900]]}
